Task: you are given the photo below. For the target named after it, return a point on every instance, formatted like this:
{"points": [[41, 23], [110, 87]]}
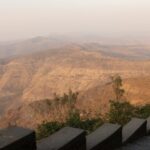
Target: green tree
{"points": [[120, 112], [117, 87], [69, 98]]}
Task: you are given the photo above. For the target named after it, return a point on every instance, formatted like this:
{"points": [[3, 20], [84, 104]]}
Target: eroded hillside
{"points": [[36, 77]]}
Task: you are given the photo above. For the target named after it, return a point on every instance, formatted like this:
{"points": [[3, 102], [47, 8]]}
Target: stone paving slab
{"points": [[65, 139], [17, 138], [141, 144], [134, 129], [106, 137]]}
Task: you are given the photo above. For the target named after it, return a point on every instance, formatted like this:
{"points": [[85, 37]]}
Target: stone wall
{"points": [[107, 137]]}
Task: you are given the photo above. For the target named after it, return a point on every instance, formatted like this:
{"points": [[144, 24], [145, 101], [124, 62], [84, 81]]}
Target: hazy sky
{"points": [[27, 18]]}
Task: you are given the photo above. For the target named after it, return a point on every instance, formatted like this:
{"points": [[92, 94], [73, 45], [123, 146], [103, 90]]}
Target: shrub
{"points": [[120, 112], [88, 124], [67, 98], [143, 111], [47, 128]]}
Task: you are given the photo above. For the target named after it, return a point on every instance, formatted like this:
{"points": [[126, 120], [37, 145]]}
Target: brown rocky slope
{"points": [[35, 77]]}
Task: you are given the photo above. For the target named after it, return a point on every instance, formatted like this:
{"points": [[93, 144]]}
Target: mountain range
{"points": [[34, 70]]}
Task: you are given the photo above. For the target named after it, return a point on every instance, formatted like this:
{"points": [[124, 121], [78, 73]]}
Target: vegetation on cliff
{"points": [[120, 112]]}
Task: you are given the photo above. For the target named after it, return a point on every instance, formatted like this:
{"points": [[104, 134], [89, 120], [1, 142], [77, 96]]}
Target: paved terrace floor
{"points": [[141, 144]]}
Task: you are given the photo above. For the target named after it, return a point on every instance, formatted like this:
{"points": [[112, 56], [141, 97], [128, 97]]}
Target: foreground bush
{"points": [[88, 125], [143, 111], [47, 128], [120, 112]]}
